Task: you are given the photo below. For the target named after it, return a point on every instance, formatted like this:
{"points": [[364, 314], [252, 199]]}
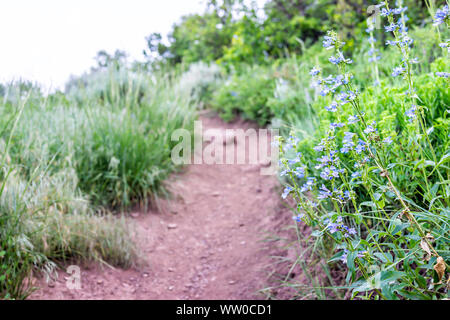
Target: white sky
{"points": [[47, 40]]}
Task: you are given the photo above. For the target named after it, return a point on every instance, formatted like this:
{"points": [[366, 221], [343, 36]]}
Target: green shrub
{"points": [[200, 81], [246, 94]]}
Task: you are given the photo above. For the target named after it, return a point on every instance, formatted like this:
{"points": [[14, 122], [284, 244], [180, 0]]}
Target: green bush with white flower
{"points": [[373, 181]]}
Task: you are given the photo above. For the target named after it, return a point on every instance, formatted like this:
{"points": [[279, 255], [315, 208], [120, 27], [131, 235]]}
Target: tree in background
{"points": [[232, 32], [105, 60]]}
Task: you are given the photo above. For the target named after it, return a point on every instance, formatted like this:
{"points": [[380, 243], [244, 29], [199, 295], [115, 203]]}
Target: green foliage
{"points": [[115, 132], [246, 95], [377, 188], [195, 38], [199, 82], [232, 33]]}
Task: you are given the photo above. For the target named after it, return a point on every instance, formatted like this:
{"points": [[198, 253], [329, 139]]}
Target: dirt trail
{"points": [[208, 244]]}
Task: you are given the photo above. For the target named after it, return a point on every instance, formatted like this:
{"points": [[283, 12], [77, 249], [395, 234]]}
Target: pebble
{"points": [[172, 226]]}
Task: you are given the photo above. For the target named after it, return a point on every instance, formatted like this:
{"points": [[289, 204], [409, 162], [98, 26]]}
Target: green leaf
{"points": [[397, 225], [317, 233], [421, 281], [380, 256], [413, 295], [336, 257], [388, 291]]}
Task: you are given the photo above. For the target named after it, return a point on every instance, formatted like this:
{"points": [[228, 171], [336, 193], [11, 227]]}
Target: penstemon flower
{"points": [[441, 16], [352, 158], [443, 74]]}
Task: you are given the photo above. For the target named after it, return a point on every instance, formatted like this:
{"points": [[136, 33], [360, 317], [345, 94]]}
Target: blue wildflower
{"points": [[335, 60], [286, 192], [330, 172], [391, 28], [388, 140], [346, 149], [353, 119], [333, 227], [296, 159], [328, 42], [332, 107], [397, 71], [352, 95], [444, 45], [310, 182], [405, 40], [298, 217], [314, 71], [344, 256], [325, 90], [360, 147], [370, 128], [399, 10], [335, 125], [342, 97], [391, 42], [324, 160], [440, 16], [319, 148], [299, 172], [356, 174], [348, 136], [373, 59], [324, 193], [348, 142], [443, 74], [385, 12], [411, 113], [372, 51]]}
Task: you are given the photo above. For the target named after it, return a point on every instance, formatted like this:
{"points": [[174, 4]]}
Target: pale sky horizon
{"points": [[46, 41]]}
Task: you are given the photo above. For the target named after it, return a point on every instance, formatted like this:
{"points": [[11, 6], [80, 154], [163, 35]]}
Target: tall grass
{"points": [[68, 160]]}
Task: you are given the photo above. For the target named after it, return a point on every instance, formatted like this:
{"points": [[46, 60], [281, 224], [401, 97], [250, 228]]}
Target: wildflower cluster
{"points": [[441, 16], [352, 158], [339, 226]]}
